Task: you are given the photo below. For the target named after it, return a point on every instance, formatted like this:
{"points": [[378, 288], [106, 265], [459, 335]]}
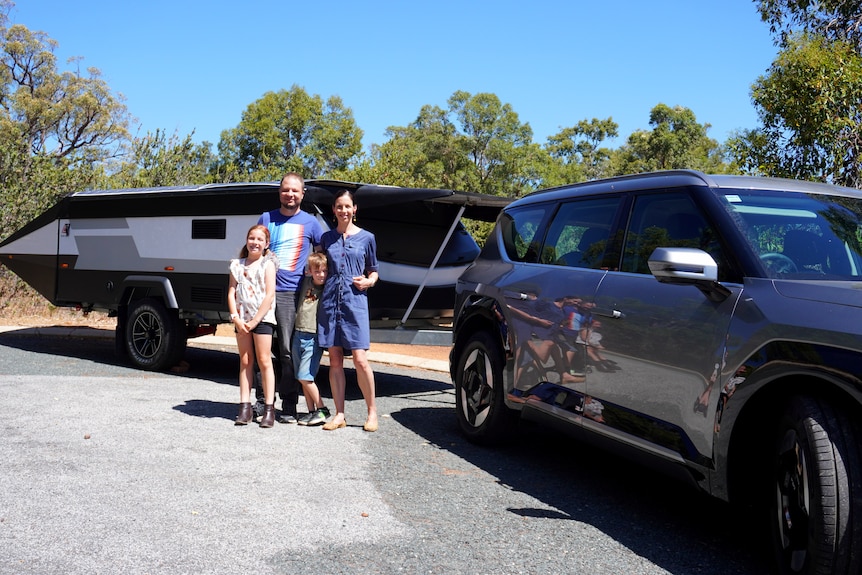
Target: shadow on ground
{"points": [[641, 509]]}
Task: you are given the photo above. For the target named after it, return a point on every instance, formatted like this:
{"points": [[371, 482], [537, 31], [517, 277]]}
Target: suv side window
{"points": [[667, 220], [579, 233], [521, 232]]}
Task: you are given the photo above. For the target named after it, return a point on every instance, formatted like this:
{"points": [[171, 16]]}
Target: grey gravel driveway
{"points": [[106, 469]]}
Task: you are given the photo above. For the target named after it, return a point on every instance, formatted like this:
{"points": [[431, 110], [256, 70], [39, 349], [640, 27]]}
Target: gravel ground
{"points": [[108, 469]]}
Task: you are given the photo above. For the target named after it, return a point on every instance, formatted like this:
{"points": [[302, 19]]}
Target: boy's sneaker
{"points": [[316, 417], [303, 419]]}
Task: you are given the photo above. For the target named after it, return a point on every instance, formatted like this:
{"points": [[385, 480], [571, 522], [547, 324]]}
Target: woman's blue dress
{"points": [[342, 318]]}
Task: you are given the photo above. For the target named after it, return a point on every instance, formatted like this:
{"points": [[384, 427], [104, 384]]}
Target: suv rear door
{"points": [[548, 297]]}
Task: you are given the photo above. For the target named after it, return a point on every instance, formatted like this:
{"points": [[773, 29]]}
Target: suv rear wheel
{"points": [[817, 502], [479, 394]]}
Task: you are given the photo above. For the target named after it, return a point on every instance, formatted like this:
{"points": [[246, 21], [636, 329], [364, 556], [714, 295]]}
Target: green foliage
{"points": [[477, 144], [56, 127], [289, 130], [676, 141], [810, 107], [580, 151], [158, 160], [833, 19]]}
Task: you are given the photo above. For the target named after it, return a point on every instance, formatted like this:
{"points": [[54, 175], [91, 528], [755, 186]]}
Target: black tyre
{"points": [[479, 393], [154, 339], [816, 508]]}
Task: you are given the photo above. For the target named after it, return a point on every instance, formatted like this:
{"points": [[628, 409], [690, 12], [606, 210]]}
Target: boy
{"points": [[306, 353]]}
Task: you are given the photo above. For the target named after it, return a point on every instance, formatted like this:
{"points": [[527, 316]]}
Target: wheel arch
{"points": [[479, 315], [753, 412], [138, 287]]}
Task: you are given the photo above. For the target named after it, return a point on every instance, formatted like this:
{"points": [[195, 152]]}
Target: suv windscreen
{"points": [[800, 235]]}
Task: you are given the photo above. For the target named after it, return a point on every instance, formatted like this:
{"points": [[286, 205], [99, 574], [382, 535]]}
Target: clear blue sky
{"points": [[187, 65]]}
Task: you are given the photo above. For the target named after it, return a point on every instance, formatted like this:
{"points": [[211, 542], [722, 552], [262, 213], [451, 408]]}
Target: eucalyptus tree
{"points": [[157, 159], [476, 144], [810, 108], [809, 102], [839, 20], [677, 140], [580, 151], [289, 130], [56, 127]]}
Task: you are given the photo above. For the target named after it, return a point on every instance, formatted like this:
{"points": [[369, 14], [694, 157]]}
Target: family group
{"points": [[310, 289]]}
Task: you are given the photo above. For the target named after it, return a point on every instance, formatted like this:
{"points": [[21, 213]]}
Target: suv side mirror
{"points": [[688, 266]]}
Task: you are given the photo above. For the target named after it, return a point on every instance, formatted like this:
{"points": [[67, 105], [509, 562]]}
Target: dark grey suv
{"points": [[711, 323]]}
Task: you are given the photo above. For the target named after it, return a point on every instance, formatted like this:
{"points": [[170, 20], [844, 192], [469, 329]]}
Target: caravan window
{"points": [[209, 229]]}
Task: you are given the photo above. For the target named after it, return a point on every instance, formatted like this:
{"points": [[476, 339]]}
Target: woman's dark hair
{"points": [[343, 192]]}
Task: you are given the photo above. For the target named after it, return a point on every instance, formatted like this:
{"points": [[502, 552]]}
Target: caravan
{"points": [[157, 258]]}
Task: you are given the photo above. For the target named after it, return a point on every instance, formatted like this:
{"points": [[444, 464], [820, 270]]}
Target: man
{"points": [[293, 233]]}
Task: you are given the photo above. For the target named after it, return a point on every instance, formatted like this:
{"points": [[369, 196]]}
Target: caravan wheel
{"points": [[154, 336]]}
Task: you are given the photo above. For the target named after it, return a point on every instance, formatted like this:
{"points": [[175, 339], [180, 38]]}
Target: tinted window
{"points": [[521, 232], [667, 220], [579, 233]]}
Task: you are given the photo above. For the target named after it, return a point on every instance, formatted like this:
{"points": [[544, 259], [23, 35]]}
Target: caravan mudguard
{"points": [[157, 286]]}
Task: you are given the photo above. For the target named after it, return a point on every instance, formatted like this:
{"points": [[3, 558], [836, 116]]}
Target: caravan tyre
{"points": [[154, 337]]}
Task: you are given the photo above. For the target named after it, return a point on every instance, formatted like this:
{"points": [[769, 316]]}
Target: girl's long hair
{"points": [[243, 253]]}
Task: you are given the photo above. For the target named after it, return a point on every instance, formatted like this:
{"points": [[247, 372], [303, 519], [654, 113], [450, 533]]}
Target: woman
{"points": [[342, 319]]}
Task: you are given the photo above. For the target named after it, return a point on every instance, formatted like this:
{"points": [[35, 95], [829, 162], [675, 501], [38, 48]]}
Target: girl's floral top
{"points": [[251, 286]]}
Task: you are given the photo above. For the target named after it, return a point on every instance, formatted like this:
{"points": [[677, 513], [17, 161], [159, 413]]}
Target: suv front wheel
{"points": [[817, 502], [479, 394]]}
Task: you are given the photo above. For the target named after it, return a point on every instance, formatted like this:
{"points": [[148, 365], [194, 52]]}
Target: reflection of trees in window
{"points": [[845, 226], [523, 241], [592, 257], [641, 246]]}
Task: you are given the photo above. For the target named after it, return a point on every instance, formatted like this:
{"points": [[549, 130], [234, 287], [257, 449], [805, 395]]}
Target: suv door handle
{"points": [[612, 313]]}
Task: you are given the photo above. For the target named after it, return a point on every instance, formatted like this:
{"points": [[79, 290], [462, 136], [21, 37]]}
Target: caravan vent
{"points": [[209, 229], [208, 294]]}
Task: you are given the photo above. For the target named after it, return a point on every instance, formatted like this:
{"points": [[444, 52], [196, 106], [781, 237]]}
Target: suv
{"points": [[712, 324]]}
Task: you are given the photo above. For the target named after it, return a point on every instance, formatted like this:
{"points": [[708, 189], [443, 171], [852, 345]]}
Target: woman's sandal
{"points": [[370, 426], [331, 425]]}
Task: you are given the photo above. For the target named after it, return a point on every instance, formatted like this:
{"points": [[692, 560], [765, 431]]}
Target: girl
{"points": [[342, 319], [251, 302]]}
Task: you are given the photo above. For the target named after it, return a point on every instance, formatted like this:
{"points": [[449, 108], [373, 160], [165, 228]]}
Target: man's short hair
{"points": [[294, 175]]}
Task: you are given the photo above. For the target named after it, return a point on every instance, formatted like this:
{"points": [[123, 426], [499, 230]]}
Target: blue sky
{"points": [[187, 65]]}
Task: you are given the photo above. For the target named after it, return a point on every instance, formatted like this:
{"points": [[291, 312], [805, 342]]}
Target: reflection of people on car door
{"points": [[540, 338], [726, 393], [594, 347], [574, 330], [524, 321]]}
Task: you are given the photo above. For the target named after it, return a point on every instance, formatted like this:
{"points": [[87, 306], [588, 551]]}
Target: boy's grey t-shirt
{"points": [[306, 312]]}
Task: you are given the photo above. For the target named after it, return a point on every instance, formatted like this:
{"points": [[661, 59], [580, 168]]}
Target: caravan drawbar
{"points": [[157, 258]]}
